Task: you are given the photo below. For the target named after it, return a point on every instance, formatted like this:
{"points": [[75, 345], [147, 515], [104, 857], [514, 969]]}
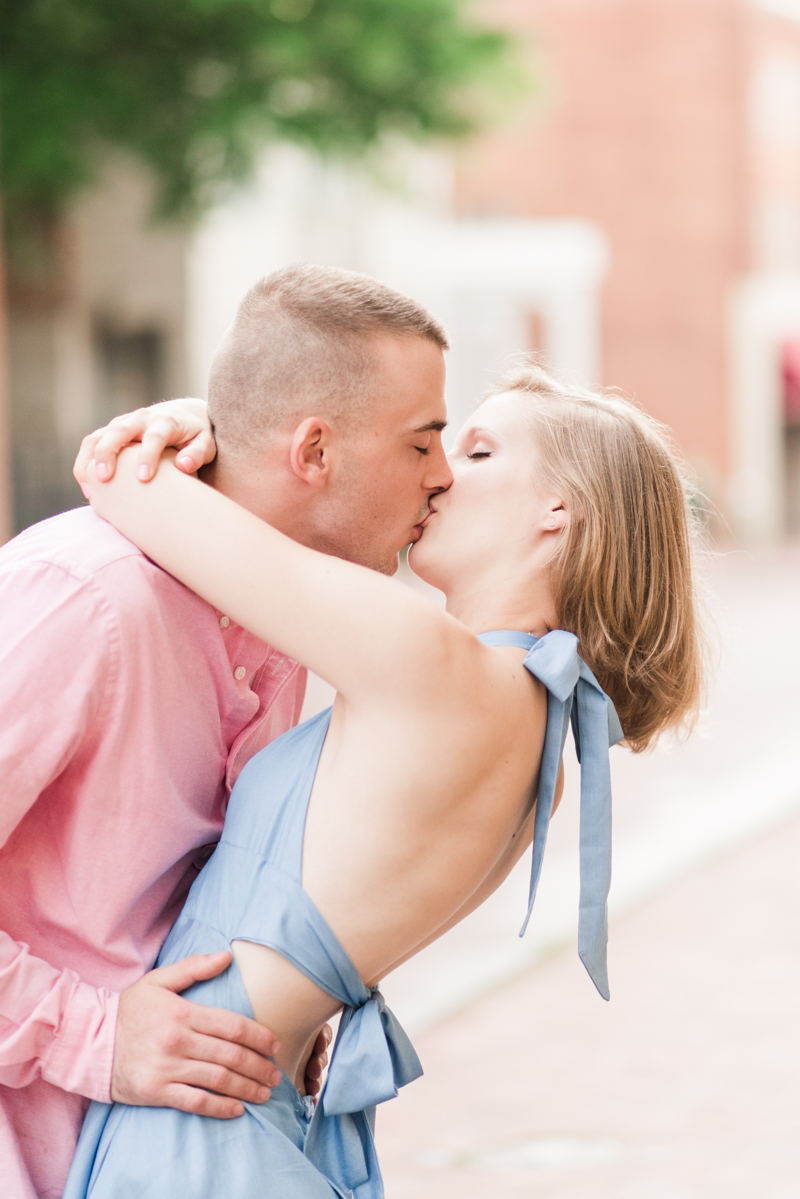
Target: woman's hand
{"points": [[180, 424]]}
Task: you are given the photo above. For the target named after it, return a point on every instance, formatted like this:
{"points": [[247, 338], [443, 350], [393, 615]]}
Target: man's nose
{"points": [[439, 477]]}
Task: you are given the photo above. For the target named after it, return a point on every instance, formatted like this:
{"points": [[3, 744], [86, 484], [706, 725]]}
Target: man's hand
{"points": [[559, 788], [170, 1052], [181, 424], [317, 1062]]}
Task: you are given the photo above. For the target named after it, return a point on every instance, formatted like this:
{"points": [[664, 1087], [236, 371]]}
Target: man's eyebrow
{"points": [[434, 426]]}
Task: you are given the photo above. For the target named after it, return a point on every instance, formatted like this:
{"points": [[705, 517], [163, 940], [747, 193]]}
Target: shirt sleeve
{"points": [[54, 666]]}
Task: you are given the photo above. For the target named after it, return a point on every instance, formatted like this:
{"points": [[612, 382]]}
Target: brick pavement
{"points": [[685, 1086]]}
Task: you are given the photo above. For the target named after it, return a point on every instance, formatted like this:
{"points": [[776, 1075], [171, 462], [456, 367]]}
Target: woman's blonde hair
{"points": [[624, 575]]}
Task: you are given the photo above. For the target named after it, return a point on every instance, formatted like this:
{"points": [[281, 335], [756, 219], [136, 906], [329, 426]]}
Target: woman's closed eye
{"points": [[480, 454]]}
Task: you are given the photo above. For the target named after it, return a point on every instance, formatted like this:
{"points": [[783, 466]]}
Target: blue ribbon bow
{"points": [[371, 1060], [574, 694]]}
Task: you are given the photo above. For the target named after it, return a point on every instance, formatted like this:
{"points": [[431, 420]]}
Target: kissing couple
{"points": [[167, 811]]}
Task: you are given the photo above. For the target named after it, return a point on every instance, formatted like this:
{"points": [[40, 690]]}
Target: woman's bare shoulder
{"points": [[472, 694]]}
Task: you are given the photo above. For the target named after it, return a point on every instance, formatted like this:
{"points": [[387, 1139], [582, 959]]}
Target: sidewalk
{"points": [[687, 1085]]}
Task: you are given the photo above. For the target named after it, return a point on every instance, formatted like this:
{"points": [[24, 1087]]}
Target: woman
{"points": [[363, 835]]}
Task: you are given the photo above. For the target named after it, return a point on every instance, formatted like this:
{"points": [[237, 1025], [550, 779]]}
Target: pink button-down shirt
{"points": [[127, 708]]}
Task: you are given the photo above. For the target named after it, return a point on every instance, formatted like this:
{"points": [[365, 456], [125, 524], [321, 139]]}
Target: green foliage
{"points": [[194, 86]]}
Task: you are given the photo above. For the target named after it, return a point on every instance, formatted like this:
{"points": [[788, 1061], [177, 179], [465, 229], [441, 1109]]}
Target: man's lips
{"points": [[421, 525]]}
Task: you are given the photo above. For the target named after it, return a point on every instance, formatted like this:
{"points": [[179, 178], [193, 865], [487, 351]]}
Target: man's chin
{"points": [[390, 568]]}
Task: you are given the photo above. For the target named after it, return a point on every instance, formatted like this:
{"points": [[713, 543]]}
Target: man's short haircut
{"points": [[301, 345]]}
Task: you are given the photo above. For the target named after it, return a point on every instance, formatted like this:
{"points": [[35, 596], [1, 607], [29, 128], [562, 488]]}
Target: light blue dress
{"points": [[251, 890]]}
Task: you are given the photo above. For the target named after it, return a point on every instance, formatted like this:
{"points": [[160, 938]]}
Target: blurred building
{"points": [[97, 326], [675, 126], [638, 221], [483, 278]]}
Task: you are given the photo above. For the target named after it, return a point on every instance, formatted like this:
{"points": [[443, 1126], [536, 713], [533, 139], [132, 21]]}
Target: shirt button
{"points": [[224, 621], [239, 672]]}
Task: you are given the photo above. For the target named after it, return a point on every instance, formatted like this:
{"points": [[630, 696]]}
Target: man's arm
{"points": [[163, 1049]]}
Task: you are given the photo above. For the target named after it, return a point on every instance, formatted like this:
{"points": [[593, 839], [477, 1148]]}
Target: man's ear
{"points": [[311, 451]]}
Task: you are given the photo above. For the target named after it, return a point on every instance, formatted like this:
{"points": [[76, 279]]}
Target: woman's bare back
{"points": [[417, 814]]}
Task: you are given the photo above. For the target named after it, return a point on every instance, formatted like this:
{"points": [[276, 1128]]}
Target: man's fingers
{"points": [[200, 1103], [182, 974], [225, 1082], [236, 1059], [230, 1026], [318, 1061]]}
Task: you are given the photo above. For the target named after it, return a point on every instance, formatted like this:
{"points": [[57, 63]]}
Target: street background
{"points": [[615, 185], [684, 1086]]}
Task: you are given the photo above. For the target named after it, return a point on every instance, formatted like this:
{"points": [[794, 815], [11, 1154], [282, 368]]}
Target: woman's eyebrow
{"points": [[434, 426]]}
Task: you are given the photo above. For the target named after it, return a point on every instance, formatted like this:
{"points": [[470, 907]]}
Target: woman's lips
{"points": [[418, 528]]}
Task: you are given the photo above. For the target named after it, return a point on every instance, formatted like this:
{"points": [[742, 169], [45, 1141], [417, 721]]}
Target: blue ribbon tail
{"points": [[595, 835], [575, 695], [371, 1060]]}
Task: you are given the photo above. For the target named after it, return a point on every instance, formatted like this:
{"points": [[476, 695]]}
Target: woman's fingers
{"points": [[156, 438], [85, 456], [104, 445], [195, 453], [180, 424]]}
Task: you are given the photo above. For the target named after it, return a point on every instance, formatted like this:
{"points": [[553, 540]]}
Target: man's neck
{"points": [[266, 489]]}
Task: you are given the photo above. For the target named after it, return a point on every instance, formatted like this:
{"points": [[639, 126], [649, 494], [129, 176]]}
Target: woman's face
{"points": [[499, 512]]}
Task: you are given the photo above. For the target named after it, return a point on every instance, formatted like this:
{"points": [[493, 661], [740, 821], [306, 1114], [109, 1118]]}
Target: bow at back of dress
{"points": [[574, 695]]}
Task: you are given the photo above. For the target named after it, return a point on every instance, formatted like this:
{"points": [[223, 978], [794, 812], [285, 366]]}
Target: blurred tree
{"points": [[192, 87]]}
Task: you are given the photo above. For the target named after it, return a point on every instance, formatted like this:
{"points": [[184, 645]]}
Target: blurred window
{"points": [[130, 371]]}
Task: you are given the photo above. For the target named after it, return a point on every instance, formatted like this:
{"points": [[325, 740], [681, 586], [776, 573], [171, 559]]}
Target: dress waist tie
{"points": [[371, 1060]]}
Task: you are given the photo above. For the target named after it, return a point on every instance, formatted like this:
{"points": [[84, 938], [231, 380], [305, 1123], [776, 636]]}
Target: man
{"points": [[129, 707]]}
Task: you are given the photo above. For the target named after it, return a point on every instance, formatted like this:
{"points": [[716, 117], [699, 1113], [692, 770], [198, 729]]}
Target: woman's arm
{"points": [[362, 632]]}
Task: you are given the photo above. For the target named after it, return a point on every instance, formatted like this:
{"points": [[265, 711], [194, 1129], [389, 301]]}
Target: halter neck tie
{"points": [[574, 694]]}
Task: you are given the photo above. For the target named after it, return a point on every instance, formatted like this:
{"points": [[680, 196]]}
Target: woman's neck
{"points": [[529, 609]]}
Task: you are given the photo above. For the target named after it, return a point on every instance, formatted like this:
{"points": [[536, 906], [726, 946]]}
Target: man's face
{"points": [[389, 468]]}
